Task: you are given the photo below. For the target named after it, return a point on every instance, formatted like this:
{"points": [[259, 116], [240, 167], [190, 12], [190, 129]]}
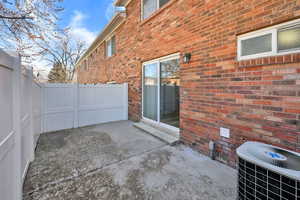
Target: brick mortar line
{"points": [[92, 171]]}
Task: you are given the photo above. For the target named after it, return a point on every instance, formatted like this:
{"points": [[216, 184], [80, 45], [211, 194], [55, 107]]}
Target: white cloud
{"points": [[78, 30]]}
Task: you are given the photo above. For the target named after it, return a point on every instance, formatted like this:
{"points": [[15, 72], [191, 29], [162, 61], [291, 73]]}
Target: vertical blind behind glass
{"points": [[289, 39], [256, 45], [149, 6]]}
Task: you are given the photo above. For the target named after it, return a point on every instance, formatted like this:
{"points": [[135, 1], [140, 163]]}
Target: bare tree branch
{"points": [[63, 56], [15, 17], [23, 24]]}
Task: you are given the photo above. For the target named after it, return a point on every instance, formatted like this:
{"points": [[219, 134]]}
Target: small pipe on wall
{"points": [[212, 150]]}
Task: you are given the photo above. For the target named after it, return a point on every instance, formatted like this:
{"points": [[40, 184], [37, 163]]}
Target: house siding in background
{"points": [[257, 99]]}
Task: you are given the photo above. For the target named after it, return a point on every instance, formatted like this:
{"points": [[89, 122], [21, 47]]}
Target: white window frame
{"points": [[108, 51], [142, 11], [273, 30], [157, 61]]}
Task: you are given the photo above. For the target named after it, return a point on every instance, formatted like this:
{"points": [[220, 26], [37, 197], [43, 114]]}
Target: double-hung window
{"points": [[276, 40], [150, 6], [111, 46]]}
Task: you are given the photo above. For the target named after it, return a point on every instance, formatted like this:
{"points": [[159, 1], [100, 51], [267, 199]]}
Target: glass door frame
{"points": [[157, 62]]}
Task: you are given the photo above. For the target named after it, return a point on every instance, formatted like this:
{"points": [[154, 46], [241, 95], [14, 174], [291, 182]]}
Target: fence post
{"points": [[125, 101], [42, 107], [76, 104], [17, 127], [30, 76]]}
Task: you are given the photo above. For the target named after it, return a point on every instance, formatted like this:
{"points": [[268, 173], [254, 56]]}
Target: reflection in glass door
{"points": [[169, 92], [150, 93], [161, 91]]}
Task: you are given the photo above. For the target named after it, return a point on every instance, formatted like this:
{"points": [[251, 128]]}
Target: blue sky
{"points": [[86, 17]]}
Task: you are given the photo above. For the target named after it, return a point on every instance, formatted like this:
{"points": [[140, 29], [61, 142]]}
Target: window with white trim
{"points": [[86, 67], [276, 40], [150, 6], [111, 46]]}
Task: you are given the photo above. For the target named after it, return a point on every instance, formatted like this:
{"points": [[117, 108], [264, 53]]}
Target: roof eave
{"points": [[109, 28], [121, 2]]}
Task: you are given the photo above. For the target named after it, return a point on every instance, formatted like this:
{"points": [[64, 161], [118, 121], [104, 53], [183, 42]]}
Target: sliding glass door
{"points": [[161, 83], [150, 93], [169, 92]]}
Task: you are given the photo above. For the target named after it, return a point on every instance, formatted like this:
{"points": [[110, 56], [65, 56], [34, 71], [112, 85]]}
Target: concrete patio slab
{"points": [[64, 154], [118, 161]]}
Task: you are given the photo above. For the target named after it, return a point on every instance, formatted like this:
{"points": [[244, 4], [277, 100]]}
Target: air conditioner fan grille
{"points": [[257, 183]]}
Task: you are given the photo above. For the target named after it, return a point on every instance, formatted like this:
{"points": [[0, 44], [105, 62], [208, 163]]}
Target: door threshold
{"points": [[169, 137], [162, 127]]}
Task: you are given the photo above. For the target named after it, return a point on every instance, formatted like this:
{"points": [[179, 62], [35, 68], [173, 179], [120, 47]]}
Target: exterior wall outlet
{"points": [[225, 132]]}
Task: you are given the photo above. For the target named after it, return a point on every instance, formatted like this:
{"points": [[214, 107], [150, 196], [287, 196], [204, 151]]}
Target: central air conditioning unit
{"points": [[267, 172]]}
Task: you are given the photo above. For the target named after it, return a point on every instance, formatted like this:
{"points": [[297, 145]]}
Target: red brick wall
{"points": [[257, 99]]}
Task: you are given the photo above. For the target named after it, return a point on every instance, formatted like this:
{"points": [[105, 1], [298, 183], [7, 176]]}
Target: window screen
{"points": [[289, 39], [256, 45], [149, 7]]}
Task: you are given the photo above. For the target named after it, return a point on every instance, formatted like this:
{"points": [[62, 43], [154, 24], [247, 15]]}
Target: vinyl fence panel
{"points": [[70, 105], [10, 137], [37, 110], [7, 132], [58, 107], [28, 109], [27, 141], [102, 103]]}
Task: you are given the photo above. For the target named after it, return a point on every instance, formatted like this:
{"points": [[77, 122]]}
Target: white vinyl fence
{"points": [[102, 103], [28, 109], [16, 138], [59, 106], [72, 105], [37, 109], [27, 136], [8, 150]]}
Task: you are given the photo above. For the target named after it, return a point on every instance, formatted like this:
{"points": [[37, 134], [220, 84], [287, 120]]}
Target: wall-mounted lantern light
{"points": [[187, 57]]}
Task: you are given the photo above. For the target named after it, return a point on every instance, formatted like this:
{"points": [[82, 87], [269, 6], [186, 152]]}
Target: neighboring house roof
{"points": [[117, 20]]}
